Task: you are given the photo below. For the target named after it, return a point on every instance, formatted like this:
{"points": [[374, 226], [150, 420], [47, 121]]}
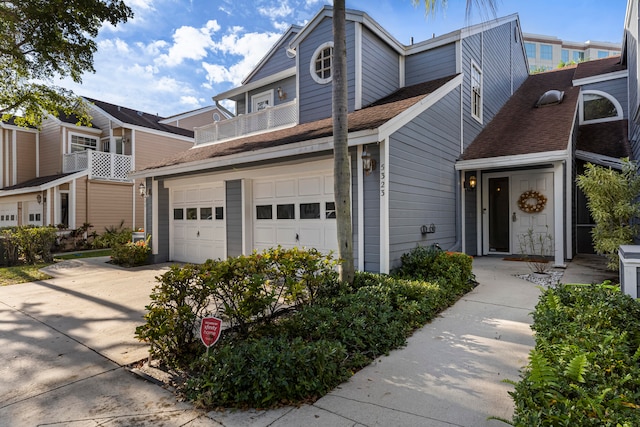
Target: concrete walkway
{"points": [[64, 342]]}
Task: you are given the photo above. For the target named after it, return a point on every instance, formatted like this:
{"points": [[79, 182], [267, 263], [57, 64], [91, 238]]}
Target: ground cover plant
{"points": [[22, 274], [294, 331], [584, 369]]}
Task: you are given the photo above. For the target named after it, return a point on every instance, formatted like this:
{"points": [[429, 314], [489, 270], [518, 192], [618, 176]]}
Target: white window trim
{"points": [[477, 67], [266, 94], [312, 64], [72, 134], [614, 101]]}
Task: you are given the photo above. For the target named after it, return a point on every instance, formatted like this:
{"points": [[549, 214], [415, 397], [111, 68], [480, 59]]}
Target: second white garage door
{"points": [[198, 223], [295, 211]]}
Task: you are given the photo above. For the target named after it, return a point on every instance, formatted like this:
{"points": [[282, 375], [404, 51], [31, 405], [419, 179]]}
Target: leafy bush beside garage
{"points": [[297, 332], [584, 369]]}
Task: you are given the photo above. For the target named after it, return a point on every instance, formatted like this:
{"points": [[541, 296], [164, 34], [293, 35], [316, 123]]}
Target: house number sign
{"points": [[383, 174]]}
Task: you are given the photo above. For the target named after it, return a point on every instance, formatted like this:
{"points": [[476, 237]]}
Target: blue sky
{"points": [[174, 55]]}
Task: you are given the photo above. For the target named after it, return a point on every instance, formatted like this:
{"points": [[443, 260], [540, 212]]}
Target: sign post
{"points": [[210, 329]]}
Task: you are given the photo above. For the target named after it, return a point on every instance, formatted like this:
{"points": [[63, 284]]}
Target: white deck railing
{"points": [[269, 118], [114, 167]]}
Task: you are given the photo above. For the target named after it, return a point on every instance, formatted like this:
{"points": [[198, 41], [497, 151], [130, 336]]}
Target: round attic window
{"points": [[320, 65], [216, 117]]}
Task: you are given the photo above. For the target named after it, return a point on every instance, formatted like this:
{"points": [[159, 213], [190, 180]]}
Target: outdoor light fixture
{"points": [[143, 190], [368, 164], [281, 94], [39, 198], [472, 182]]}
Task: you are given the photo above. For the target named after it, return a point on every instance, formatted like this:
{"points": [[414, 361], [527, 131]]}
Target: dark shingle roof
{"points": [[139, 118], [608, 139], [598, 66], [37, 182], [370, 117], [520, 128]]}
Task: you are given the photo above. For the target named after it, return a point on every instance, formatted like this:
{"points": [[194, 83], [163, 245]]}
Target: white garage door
{"points": [[198, 225], [8, 214], [295, 211]]}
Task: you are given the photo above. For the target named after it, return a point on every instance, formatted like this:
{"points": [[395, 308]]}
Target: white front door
{"points": [[528, 189], [505, 223]]}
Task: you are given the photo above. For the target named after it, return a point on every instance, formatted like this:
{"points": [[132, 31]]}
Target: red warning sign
{"points": [[210, 330]]}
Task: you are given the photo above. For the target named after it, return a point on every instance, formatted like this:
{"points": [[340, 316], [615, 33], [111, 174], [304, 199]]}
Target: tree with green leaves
{"points": [[612, 199], [41, 40], [341, 167]]}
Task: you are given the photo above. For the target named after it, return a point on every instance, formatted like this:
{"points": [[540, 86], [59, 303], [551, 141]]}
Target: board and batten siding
{"points": [[502, 70], [616, 88], [422, 178], [380, 68], [279, 61], [50, 148], [108, 204], [26, 156], [430, 65], [315, 98], [233, 217]]}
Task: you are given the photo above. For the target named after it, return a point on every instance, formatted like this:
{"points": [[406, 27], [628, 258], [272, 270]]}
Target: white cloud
{"points": [[189, 43], [282, 10], [281, 26], [250, 47], [190, 101], [154, 48]]}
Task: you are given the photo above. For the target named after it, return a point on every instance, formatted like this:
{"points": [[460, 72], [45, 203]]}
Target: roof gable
{"points": [[129, 116], [281, 43]]}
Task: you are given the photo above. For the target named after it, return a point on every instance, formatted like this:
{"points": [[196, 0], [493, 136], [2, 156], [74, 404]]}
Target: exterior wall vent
{"points": [[550, 97]]}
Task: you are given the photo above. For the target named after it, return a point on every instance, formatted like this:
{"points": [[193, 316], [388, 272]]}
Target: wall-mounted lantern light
{"points": [[368, 163], [472, 182], [281, 94], [39, 198], [142, 189]]}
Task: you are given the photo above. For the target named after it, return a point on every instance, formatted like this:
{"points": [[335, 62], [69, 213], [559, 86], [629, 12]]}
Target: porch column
{"points": [[558, 213]]}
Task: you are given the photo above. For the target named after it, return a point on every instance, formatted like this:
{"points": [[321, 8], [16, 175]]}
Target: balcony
{"points": [[109, 166], [268, 119]]}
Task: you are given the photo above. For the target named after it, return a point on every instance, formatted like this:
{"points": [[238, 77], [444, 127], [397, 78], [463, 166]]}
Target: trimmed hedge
{"points": [[584, 369]]}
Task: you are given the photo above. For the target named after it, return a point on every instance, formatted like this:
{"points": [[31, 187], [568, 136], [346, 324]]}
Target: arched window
{"points": [[598, 106]]}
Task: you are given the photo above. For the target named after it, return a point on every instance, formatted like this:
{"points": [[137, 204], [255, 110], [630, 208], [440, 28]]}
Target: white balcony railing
{"points": [[267, 119], [114, 167]]}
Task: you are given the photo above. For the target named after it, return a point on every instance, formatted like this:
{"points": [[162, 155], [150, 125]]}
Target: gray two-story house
{"points": [[265, 177]]}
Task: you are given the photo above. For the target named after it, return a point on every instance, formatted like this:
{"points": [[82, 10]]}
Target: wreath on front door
{"points": [[532, 201]]}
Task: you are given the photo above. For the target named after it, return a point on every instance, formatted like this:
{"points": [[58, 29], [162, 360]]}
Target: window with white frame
{"points": [[321, 61], [546, 52], [598, 106], [476, 92], [82, 143]]}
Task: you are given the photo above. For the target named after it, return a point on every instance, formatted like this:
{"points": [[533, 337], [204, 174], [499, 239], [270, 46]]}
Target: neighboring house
{"points": [[68, 175], [196, 118], [546, 52], [265, 177]]}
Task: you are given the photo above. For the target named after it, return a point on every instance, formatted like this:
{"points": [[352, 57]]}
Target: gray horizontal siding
{"points": [[471, 220], [315, 99], [279, 61], [616, 88], [288, 85], [233, 217], [380, 68], [371, 202], [422, 179], [498, 54], [431, 64], [354, 203], [162, 237]]}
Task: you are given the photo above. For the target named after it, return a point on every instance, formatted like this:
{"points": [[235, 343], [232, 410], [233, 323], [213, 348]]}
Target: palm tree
{"points": [[341, 167]]}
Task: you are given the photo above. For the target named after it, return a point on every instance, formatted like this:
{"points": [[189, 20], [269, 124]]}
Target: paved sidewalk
{"points": [[64, 342]]}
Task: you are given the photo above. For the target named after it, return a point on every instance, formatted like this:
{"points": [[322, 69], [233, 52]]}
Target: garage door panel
{"points": [[192, 195], [286, 188], [265, 235], [312, 237], [263, 190], [328, 185], [310, 186], [286, 235]]}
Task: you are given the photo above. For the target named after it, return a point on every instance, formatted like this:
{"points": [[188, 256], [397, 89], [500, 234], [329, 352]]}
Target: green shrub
{"points": [[131, 254], [267, 371], [9, 247], [112, 236], [177, 303], [252, 289], [35, 243], [584, 369]]}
